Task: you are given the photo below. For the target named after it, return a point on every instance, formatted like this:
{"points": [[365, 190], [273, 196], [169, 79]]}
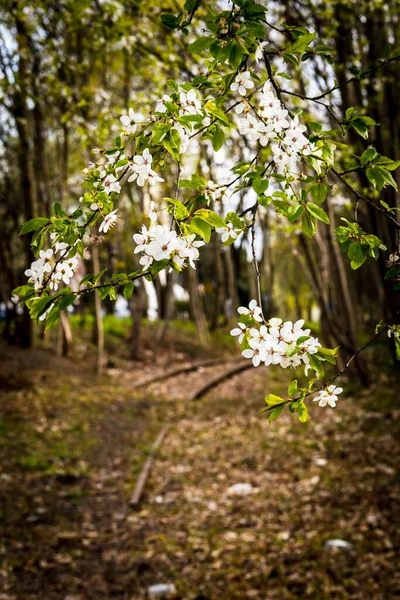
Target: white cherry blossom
{"points": [[111, 184], [239, 331], [328, 396], [253, 311], [242, 83], [227, 233], [110, 220]]}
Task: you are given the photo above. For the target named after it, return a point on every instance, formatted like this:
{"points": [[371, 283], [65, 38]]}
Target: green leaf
{"points": [[236, 55], [292, 388], [66, 300], [37, 306], [315, 364], [301, 43], [275, 413], [388, 179], [393, 272], [375, 177], [302, 411], [178, 209], [171, 83], [217, 112], [128, 290], [191, 5], [368, 155], [57, 209], [260, 185], [360, 126], [388, 163], [308, 224], [159, 132], [319, 192], [218, 138], [236, 221], [170, 20], [199, 45], [202, 228], [317, 212], [210, 217], [256, 29], [33, 224], [357, 254], [271, 399], [294, 211]]}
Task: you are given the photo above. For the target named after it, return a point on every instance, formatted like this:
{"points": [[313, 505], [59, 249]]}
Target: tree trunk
{"points": [[196, 306]]}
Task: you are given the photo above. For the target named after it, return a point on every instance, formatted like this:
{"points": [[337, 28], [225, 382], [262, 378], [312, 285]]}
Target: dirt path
{"points": [[70, 459]]}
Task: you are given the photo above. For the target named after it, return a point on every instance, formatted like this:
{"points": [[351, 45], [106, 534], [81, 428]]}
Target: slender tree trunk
{"points": [[64, 337], [196, 306]]}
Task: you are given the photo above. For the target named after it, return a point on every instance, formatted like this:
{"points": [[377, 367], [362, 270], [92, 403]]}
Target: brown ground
{"points": [[72, 446]]}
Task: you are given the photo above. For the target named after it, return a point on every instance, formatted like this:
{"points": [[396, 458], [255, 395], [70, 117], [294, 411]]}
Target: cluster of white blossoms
{"points": [[215, 192], [189, 104], [47, 269], [271, 123], [275, 342], [328, 396], [142, 172], [158, 244]]}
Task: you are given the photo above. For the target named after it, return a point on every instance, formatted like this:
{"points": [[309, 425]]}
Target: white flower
{"points": [[328, 396], [160, 107], [253, 311], [260, 51], [45, 257], [64, 272], [109, 221], [228, 232], [290, 361], [255, 352], [249, 126], [213, 191], [242, 83], [239, 331], [130, 121], [36, 273], [111, 184], [152, 214], [54, 282], [146, 261], [265, 133], [187, 248], [141, 239], [162, 246], [242, 107], [291, 332], [142, 171], [261, 335], [275, 322], [190, 103], [151, 177], [274, 351]]}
